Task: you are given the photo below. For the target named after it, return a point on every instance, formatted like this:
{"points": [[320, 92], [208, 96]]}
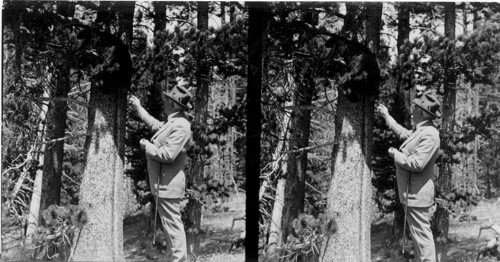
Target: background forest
{"points": [[282, 92]]}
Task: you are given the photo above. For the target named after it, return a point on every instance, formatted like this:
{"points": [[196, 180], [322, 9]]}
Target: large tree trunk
{"points": [[443, 185], [350, 193], [349, 196], [299, 138], [101, 190], [402, 102], [257, 20], [101, 239]]}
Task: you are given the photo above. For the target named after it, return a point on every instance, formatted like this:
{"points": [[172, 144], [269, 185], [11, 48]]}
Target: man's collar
{"points": [[176, 114], [424, 123], [171, 115]]}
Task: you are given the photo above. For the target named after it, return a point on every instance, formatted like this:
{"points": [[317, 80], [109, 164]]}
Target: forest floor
{"points": [[217, 235], [215, 239], [461, 247]]}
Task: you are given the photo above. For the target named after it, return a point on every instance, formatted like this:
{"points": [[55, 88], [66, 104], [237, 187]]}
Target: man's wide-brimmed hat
{"points": [[181, 96], [429, 103]]}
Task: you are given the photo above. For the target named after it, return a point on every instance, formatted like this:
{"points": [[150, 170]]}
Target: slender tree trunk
{"points": [[299, 138], [54, 152], [404, 97], [443, 185], [195, 207], [154, 98], [34, 212], [126, 22], [257, 22], [373, 11], [232, 10], [160, 17], [56, 127], [222, 12], [275, 229]]}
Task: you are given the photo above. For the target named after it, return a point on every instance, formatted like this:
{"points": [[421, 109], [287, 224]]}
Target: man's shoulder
{"points": [[430, 130], [181, 121]]}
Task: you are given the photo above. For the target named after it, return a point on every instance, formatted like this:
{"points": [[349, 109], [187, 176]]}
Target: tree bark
{"points": [[34, 212], [443, 185], [299, 138], [222, 6], [404, 96], [160, 17], [350, 193], [101, 190], [373, 12], [257, 21], [56, 127], [349, 196], [275, 228], [101, 239], [403, 25], [195, 207]]}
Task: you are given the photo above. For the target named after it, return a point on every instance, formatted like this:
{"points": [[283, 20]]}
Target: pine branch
{"points": [[310, 108], [64, 138], [310, 148], [63, 99]]}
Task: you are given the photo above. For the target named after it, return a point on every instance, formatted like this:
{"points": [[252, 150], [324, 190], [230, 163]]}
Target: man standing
{"points": [[415, 169], [166, 153]]}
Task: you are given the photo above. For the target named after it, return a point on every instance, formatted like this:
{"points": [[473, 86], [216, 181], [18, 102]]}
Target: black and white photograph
{"points": [[280, 131]]}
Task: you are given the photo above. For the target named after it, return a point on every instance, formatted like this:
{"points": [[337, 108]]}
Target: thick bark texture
{"points": [[101, 239], [349, 196], [101, 190], [257, 20]]}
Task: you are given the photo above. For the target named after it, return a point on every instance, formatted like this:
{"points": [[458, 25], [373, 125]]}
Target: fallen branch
{"points": [[488, 226]]}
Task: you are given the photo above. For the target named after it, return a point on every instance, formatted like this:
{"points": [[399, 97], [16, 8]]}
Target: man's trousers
{"points": [[169, 210], [420, 228]]}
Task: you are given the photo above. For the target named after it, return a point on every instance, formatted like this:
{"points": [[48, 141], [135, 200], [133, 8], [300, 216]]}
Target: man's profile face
{"points": [[168, 105], [420, 90]]}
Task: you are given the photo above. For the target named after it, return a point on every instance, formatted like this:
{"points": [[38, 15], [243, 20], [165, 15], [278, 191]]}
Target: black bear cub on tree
{"points": [[357, 67], [106, 58]]}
